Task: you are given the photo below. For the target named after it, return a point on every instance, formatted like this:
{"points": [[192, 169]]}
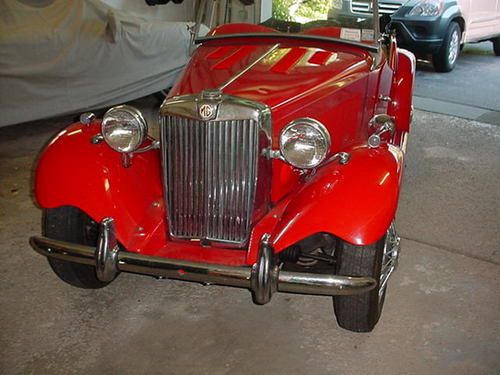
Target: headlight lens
{"points": [[427, 8], [124, 128], [304, 143]]}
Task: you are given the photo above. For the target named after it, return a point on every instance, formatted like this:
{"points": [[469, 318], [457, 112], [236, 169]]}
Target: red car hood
{"points": [[291, 71]]}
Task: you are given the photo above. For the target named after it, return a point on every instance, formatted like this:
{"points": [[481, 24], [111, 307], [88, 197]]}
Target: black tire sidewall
{"points": [[441, 60], [69, 223], [359, 313], [496, 46]]}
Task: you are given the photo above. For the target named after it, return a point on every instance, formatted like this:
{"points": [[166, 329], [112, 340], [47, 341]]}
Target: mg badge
{"points": [[206, 111]]}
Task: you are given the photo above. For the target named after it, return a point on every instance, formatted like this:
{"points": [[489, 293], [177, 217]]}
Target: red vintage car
{"points": [[278, 169]]}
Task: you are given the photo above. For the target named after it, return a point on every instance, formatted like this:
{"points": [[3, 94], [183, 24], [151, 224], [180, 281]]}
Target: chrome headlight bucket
{"points": [[124, 128], [304, 143]]}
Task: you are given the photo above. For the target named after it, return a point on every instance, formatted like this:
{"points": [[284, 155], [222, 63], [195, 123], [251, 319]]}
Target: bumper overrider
{"points": [[263, 278]]}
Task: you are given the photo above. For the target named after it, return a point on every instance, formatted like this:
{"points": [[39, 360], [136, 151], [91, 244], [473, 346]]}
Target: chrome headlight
{"points": [[304, 143], [124, 128], [426, 8]]}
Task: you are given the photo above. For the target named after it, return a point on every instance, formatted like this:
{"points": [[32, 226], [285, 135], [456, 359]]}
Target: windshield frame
{"points": [[278, 35], [370, 47]]}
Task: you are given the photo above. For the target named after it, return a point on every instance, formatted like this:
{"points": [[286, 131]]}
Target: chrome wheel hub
{"points": [[390, 258], [454, 47]]}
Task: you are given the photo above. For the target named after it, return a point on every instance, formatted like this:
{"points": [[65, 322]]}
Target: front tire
{"points": [[360, 313], [446, 58], [72, 225]]}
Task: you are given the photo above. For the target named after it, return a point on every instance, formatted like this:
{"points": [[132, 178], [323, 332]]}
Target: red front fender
{"points": [[355, 202], [73, 171]]}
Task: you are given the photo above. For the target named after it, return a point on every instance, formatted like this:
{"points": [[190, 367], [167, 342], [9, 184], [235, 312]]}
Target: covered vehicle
{"points": [[278, 168], [63, 56]]}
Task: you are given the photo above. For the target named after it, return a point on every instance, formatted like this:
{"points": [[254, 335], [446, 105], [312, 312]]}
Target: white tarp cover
{"points": [[65, 56]]}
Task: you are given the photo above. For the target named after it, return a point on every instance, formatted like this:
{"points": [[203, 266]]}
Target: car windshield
{"points": [[336, 19]]}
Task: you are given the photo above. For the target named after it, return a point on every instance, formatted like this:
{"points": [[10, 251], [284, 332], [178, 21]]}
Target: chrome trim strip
{"points": [[376, 19], [242, 72], [228, 108], [284, 281]]}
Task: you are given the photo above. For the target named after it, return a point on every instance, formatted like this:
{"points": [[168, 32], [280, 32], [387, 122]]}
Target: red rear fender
{"points": [[355, 202], [402, 90]]}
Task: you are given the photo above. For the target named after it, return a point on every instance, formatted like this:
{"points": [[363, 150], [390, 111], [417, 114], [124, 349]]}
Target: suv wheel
{"points": [[496, 45], [446, 58]]}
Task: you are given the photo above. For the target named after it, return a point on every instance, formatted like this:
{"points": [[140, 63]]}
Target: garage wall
{"points": [[184, 11], [245, 13], [266, 9]]}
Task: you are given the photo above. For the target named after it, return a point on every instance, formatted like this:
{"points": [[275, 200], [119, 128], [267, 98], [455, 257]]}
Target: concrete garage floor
{"points": [[460, 93], [441, 314]]}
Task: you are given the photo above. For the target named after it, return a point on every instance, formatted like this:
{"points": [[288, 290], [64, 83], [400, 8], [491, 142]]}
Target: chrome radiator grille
{"points": [[210, 173]]}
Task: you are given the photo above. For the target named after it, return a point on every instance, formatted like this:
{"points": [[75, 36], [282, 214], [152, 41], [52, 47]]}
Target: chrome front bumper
{"points": [[263, 278]]}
